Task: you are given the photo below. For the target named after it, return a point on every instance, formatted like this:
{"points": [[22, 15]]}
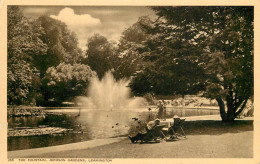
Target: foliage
{"points": [[100, 54], [202, 48], [62, 48], [62, 44], [173, 65], [24, 46], [130, 61], [232, 49], [67, 81]]}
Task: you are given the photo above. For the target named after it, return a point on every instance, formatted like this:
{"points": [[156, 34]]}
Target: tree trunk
{"points": [[221, 105], [241, 108], [232, 112]]}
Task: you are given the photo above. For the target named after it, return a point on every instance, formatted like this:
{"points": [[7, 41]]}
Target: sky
{"points": [[85, 21]]}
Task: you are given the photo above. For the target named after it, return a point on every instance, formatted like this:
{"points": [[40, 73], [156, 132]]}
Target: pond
{"points": [[89, 125]]}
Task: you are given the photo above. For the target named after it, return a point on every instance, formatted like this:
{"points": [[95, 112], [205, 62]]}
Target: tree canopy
{"points": [[24, 47], [37, 48], [62, 44], [67, 81], [132, 39], [173, 65], [207, 49], [100, 54]]}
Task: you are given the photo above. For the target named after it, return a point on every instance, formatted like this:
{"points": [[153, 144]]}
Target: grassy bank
{"points": [[205, 139]]}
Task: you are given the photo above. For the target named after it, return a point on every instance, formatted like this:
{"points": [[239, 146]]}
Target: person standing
{"points": [[164, 110], [160, 109]]}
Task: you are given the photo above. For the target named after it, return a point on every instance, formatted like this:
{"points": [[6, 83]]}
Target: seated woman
{"points": [[149, 128]]}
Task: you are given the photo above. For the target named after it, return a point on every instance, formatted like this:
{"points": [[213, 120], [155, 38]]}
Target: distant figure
{"points": [[149, 109], [160, 111], [164, 109]]}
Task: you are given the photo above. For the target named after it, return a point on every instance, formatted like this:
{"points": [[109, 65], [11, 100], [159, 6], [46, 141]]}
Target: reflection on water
{"points": [[91, 124]]}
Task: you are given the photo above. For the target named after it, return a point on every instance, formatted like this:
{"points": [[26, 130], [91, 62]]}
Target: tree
{"points": [[24, 47], [100, 54], [172, 63], [62, 45], [232, 49], [67, 81], [214, 44], [130, 61]]}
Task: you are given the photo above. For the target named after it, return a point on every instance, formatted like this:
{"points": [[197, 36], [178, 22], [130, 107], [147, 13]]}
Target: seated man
{"points": [[149, 127]]}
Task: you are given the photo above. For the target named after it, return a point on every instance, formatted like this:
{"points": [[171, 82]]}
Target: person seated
{"points": [[177, 124], [149, 127]]}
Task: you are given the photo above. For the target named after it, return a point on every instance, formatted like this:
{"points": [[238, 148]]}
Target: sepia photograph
{"points": [[129, 82]]}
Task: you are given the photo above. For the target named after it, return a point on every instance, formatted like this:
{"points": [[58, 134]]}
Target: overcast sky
{"points": [[85, 21]]}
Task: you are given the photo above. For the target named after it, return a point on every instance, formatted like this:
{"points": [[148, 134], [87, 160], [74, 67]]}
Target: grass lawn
{"points": [[205, 139]]}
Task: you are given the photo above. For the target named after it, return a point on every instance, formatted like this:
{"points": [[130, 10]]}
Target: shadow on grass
{"points": [[210, 127], [148, 142]]}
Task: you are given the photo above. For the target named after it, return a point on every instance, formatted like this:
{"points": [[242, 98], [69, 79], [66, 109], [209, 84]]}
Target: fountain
{"points": [[109, 94]]}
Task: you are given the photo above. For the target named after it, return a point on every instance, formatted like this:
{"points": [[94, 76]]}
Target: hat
{"points": [[175, 116], [156, 120]]}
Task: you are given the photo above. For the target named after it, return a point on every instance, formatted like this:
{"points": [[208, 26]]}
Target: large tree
{"points": [[100, 54], [24, 47], [62, 44], [172, 62], [67, 81], [230, 66], [203, 48], [62, 47], [129, 58]]}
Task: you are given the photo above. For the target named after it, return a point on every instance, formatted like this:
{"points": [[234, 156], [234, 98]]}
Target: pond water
{"points": [[89, 125]]}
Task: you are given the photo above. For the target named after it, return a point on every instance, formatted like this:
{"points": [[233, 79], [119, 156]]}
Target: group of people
{"points": [[149, 127], [154, 130]]}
